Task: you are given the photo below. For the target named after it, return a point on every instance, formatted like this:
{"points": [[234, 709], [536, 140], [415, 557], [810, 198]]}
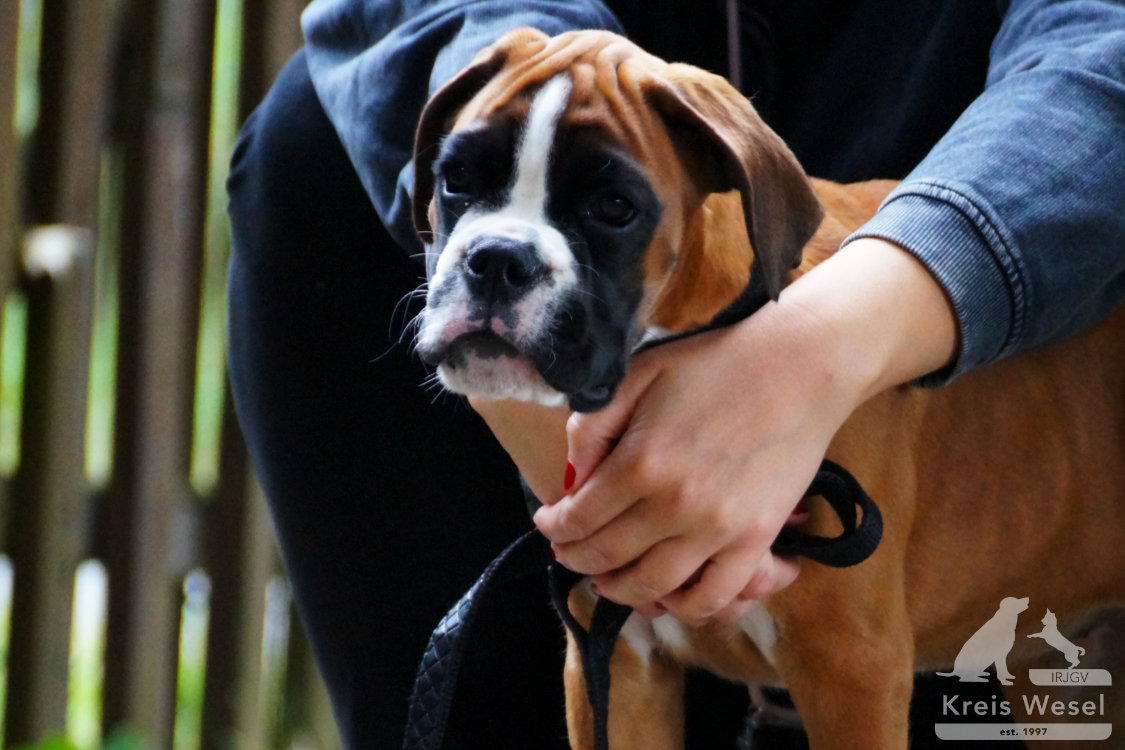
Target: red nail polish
{"points": [[594, 588], [571, 473], [659, 607]]}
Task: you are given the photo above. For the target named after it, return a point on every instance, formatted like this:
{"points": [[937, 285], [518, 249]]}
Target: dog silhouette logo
{"points": [[990, 645], [1050, 633]]}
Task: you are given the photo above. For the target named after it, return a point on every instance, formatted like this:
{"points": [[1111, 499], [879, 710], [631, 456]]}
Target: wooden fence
{"points": [[116, 118]]}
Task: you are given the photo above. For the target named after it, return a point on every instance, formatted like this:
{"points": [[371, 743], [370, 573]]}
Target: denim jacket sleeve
{"points": [[1019, 211], [374, 63]]}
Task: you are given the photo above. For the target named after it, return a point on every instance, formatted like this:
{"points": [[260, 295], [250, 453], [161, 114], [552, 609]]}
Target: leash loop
{"points": [[858, 541], [845, 494]]}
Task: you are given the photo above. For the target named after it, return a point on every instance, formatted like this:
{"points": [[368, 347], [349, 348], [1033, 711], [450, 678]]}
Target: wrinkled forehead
{"points": [[608, 79]]}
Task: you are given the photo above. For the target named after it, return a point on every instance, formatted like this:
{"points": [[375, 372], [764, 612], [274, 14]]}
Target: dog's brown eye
{"points": [[457, 178], [613, 209]]}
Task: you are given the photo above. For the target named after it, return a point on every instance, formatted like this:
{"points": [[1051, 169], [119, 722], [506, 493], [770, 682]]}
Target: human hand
{"points": [[684, 480], [687, 476]]}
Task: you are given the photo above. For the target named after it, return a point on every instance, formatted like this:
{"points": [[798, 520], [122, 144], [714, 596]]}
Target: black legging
{"points": [[388, 499]]}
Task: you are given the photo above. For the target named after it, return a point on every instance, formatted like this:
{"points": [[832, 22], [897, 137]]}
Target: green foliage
{"points": [[123, 740], [50, 743], [120, 740]]}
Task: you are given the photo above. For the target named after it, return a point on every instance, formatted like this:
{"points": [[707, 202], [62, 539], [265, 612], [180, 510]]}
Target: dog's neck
{"points": [[713, 266]]}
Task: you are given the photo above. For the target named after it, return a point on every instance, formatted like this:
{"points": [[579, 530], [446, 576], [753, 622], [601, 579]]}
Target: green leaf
{"points": [[50, 743]]}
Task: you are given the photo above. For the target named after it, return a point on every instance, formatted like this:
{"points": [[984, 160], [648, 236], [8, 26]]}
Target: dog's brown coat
{"points": [[1011, 481]]}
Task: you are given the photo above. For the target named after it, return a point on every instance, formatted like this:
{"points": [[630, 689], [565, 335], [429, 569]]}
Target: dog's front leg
{"points": [[853, 703], [850, 675], [646, 694]]}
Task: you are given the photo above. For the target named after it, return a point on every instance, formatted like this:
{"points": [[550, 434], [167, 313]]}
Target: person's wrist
{"points": [[880, 316], [540, 460]]}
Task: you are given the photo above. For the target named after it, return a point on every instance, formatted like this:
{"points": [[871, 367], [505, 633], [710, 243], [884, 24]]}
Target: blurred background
{"points": [[141, 601]]}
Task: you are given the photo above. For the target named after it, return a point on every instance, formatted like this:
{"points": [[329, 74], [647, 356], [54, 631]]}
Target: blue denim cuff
{"points": [[951, 232]]}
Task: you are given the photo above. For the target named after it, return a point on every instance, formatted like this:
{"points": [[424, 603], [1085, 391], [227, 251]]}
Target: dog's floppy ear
{"points": [[741, 152], [438, 115]]}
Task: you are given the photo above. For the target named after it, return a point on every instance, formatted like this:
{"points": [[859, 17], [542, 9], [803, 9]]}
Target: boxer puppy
{"points": [[578, 195]]}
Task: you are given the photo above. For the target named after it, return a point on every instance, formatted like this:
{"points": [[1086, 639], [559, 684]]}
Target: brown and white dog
{"points": [[580, 194]]}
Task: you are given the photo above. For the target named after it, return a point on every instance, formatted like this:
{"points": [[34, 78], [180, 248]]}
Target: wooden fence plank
{"points": [[254, 718], [49, 502], [75, 98], [271, 34], [238, 552], [283, 33], [9, 217], [236, 594], [165, 116], [309, 710], [48, 513]]}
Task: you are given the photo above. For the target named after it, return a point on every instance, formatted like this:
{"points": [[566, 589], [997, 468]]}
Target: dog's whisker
{"points": [[591, 295], [403, 305]]}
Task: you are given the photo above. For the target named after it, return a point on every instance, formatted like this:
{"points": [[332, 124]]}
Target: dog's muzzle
{"points": [[507, 318]]}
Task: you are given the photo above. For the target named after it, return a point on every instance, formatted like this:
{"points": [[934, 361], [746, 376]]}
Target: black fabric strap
{"points": [[436, 684], [858, 541], [753, 297], [595, 645]]}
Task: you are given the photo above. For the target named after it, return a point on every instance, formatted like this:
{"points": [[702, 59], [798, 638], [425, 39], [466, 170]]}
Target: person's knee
{"points": [[285, 139]]}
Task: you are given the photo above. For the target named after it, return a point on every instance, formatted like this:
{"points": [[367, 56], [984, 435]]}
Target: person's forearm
{"points": [[1019, 210], [884, 314], [874, 318], [535, 438]]}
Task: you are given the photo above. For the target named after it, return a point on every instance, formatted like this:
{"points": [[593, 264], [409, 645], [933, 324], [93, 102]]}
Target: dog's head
{"points": [[1013, 605], [568, 191]]}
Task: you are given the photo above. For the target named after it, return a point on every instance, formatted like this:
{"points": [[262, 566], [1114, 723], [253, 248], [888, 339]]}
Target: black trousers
{"points": [[388, 498]]}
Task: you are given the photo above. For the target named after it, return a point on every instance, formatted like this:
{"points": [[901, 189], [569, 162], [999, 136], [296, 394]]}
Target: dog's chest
{"points": [[738, 651]]}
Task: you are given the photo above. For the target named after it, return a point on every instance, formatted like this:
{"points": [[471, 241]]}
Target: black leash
{"points": [[845, 495], [858, 541]]}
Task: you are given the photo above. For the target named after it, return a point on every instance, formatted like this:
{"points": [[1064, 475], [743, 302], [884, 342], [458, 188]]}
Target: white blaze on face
{"points": [[522, 218], [529, 192]]}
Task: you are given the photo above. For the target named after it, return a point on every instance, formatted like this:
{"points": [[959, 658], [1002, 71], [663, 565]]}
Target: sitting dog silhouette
{"points": [[1050, 633], [990, 645]]}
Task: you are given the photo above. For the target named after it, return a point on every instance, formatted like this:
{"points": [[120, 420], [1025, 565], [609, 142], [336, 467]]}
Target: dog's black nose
{"points": [[501, 269]]}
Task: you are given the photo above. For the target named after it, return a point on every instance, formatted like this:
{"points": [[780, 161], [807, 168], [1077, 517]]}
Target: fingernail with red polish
{"points": [[659, 607], [594, 588], [571, 473]]}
